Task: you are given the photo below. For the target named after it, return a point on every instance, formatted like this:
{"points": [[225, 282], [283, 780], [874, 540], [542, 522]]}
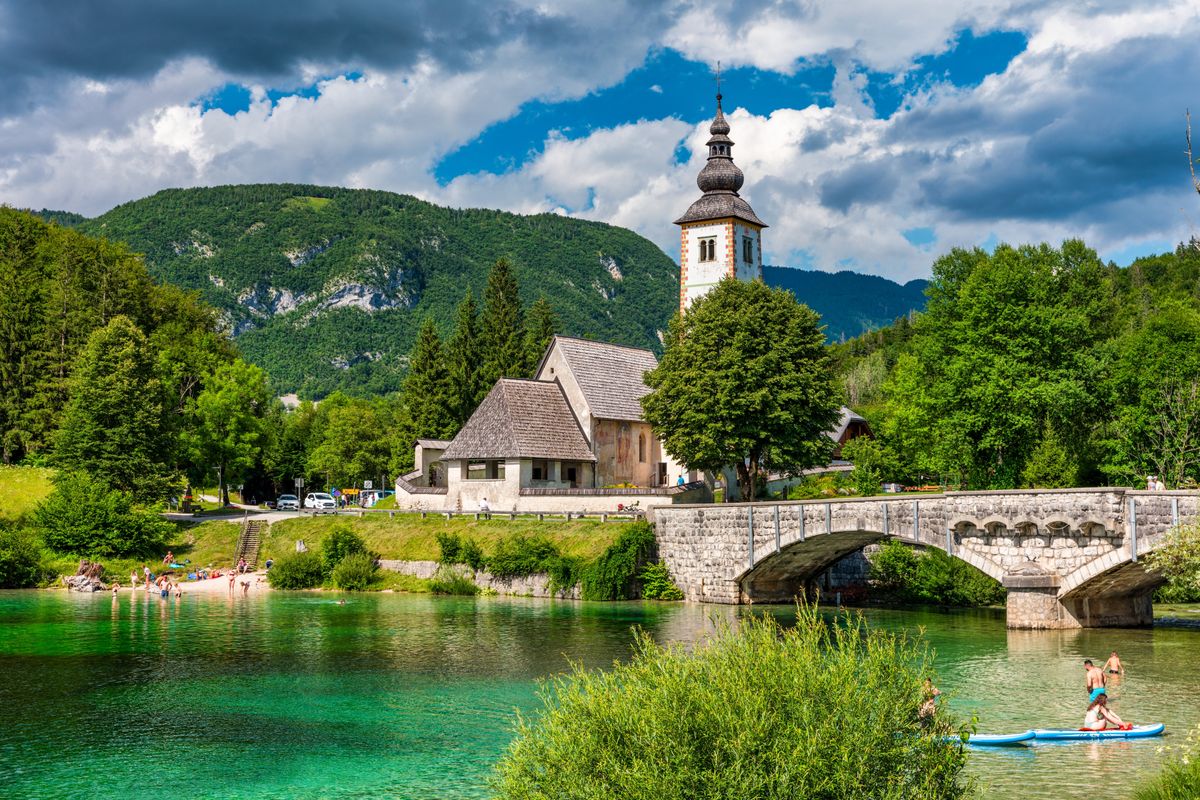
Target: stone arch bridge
{"points": [[1069, 558]]}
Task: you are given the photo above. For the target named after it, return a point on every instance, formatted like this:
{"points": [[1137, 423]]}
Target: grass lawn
{"points": [[1180, 610], [414, 539], [22, 488]]}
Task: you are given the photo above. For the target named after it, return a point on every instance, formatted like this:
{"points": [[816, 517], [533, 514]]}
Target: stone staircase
{"points": [[249, 542]]}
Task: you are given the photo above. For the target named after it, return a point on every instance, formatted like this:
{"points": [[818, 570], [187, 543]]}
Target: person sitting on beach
{"points": [[1113, 665], [1099, 716], [168, 558], [1094, 682], [241, 566]]}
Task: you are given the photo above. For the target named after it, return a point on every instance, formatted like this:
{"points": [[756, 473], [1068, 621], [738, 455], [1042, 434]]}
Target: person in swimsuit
{"points": [[929, 704], [1094, 682], [1099, 716], [1113, 665]]}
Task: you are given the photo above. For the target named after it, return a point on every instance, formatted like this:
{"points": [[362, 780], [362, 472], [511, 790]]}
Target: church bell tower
{"points": [[720, 235]]}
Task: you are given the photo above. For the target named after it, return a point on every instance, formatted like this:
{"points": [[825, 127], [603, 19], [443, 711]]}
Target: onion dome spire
{"points": [[720, 180]]}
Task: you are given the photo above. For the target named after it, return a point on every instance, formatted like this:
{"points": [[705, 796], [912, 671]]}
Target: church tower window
{"points": [[708, 249], [747, 250]]}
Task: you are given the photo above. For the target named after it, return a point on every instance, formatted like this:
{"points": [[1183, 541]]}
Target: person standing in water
{"points": [[1094, 681], [1113, 665], [929, 704]]}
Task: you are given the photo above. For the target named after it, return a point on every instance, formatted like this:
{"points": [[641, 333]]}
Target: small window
{"points": [[642, 448], [747, 250], [708, 249]]}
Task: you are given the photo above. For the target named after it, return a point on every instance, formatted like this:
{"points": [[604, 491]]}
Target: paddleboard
{"points": [[1136, 732], [995, 739]]}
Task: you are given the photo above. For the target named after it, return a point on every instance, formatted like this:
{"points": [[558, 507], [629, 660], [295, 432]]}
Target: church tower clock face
{"points": [[720, 235]]}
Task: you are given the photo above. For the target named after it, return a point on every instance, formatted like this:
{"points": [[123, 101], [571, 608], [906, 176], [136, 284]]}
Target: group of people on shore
{"points": [[1099, 716]]}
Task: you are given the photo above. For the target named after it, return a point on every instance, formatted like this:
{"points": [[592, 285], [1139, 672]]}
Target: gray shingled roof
{"points": [[847, 416], [610, 376], [522, 419], [718, 205]]}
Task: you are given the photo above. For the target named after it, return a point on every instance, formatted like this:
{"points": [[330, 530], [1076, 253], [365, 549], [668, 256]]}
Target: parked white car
{"points": [[287, 502], [319, 502]]}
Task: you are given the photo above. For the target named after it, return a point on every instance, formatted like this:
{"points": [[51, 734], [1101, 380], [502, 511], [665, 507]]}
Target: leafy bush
{"points": [[873, 464], [520, 556], [451, 546], [20, 559], [340, 543], [1178, 559], [354, 572], [657, 584], [931, 577], [564, 572], [820, 712], [460, 550], [1181, 775], [297, 571], [448, 580], [613, 575], [83, 516]]}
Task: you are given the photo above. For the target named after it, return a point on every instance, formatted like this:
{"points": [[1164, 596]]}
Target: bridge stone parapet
{"points": [[1068, 557]]}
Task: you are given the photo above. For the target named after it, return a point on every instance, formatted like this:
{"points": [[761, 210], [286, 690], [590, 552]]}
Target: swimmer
{"points": [[1113, 665]]}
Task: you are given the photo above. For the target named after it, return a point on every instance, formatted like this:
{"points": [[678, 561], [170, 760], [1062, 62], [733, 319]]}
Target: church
{"points": [[573, 437]]}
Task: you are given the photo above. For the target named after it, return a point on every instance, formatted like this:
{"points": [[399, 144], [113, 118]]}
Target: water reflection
{"points": [[415, 696]]}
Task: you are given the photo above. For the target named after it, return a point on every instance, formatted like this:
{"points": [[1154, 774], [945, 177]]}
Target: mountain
{"points": [[850, 304], [325, 288]]}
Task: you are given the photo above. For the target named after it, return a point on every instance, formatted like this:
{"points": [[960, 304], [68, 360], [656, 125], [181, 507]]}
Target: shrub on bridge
{"points": [[820, 712], [297, 571], [1178, 559]]}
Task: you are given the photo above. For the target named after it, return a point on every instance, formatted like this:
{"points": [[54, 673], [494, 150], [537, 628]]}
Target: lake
{"points": [[291, 695]]}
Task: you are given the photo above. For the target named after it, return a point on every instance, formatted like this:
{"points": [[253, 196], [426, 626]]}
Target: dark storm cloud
{"points": [[43, 42], [1111, 131]]}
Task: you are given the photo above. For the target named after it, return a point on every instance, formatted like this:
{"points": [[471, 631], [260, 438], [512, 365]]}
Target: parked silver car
{"points": [[287, 502]]}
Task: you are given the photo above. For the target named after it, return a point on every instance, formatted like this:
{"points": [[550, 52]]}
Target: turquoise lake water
{"points": [[294, 696]]}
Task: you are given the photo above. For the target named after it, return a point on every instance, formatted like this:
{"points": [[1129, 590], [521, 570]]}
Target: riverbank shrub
{"points": [[1180, 778], [903, 575], [520, 556], [84, 516], [452, 580], [21, 564], [818, 711], [657, 584], [613, 576], [340, 543], [457, 549], [297, 571], [354, 572], [1178, 559]]}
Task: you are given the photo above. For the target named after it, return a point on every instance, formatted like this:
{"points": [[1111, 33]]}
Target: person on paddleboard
{"points": [[1099, 716], [1094, 682]]}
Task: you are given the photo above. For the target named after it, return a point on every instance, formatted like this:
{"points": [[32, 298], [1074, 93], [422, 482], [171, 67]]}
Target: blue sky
{"points": [[872, 138]]}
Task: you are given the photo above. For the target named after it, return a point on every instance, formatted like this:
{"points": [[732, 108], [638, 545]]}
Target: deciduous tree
{"points": [[230, 430], [744, 382]]}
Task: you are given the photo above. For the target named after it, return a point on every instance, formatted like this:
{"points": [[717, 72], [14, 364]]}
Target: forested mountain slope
{"points": [[850, 304], [325, 288]]}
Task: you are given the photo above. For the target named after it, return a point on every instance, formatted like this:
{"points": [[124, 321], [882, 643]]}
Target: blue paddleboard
{"points": [[1136, 732], [994, 739]]}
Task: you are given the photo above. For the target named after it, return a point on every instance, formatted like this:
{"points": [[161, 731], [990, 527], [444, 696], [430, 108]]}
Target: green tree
{"points": [[502, 327], [873, 463], [1050, 466], [463, 359], [541, 325], [114, 425], [230, 429], [1178, 560], [20, 558], [744, 381], [85, 517], [354, 442], [821, 711], [427, 388]]}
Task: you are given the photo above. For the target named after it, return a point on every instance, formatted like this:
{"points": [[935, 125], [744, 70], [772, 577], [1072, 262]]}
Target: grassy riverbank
{"points": [[21, 489]]}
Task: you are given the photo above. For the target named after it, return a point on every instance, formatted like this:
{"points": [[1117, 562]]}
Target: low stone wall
{"points": [[529, 586]]}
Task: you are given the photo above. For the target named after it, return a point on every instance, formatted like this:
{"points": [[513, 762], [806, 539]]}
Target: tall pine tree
{"points": [[466, 388], [503, 327], [541, 324], [114, 426], [427, 387]]}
